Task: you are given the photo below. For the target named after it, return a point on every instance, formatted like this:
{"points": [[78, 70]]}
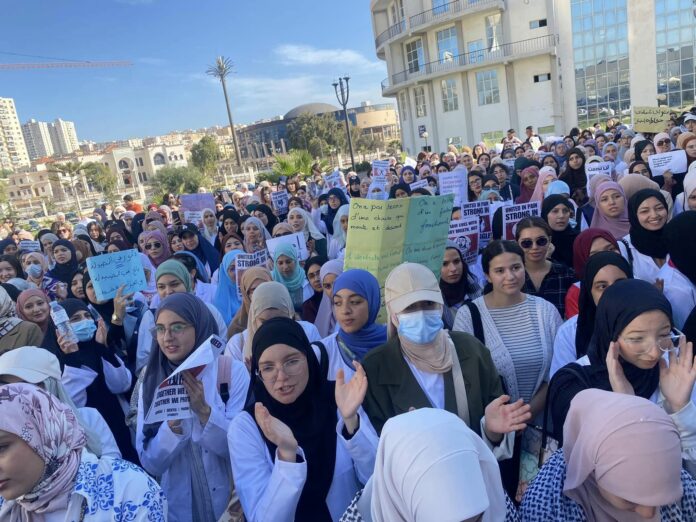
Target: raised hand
{"points": [[120, 303], [196, 394], [102, 332], [502, 418], [277, 432], [677, 379], [350, 395], [617, 378]]}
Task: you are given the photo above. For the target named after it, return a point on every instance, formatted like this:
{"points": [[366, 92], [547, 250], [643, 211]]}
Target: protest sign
{"points": [[279, 199], [515, 213], [380, 168], [673, 161], [384, 234], [455, 182], [193, 206], [245, 261], [650, 119], [110, 271], [171, 401], [465, 234], [333, 180], [296, 240], [480, 209], [421, 183], [27, 245], [596, 168]]}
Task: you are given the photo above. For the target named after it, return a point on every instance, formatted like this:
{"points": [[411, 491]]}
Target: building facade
{"points": [[13, 151], [63, 136], [37, 137]]}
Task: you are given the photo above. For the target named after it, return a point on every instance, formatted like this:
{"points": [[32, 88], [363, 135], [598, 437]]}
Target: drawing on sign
{"points": [[465, 234], [279, 200], [516, 213]]}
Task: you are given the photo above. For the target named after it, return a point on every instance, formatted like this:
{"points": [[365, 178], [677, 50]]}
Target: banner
{"points": [[110, 271], [193, 205], [245, 261], [384, 234], [465, 234], [279, 199], [482, 210], [674, 161], [297, 241], [650, 119], [380, 168], [515, 213], [171, 401], [455, 182]]}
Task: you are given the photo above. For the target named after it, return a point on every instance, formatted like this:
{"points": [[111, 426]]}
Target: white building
{"points": [[37, 137], [13, 151], [63, 136]]}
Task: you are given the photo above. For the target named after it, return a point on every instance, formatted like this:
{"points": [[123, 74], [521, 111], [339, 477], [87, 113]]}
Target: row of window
{"points": [[27, 192]]}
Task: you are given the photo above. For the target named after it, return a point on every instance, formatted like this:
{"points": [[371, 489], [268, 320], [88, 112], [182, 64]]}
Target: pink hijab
{"points": [[526, 193], [609, 439], [618, 227], [544, 174], [23, 298], [52, 431], [162, 238]]}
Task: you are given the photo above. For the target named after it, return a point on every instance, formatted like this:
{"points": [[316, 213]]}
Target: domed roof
{"points": [[312, 108]]}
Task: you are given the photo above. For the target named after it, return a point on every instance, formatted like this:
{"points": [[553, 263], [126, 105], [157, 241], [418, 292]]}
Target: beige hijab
{"points": [[241, 318], [267, 295]]}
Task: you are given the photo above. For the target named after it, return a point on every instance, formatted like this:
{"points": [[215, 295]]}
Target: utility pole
{"points": [[342, 95]]}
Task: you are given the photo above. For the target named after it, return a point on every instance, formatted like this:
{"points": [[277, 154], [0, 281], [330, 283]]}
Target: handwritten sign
{"points": [[516, 213], [421, 183], [482, 211], [465, 234], [27, 245], [171, 401], [279, 199], [455, 182], [193, 206], [650, 119], [296, 240], [380, 168], [109, 271], [384, 234], [674, 161], [245, 261], [333, 180], [595, 169]]}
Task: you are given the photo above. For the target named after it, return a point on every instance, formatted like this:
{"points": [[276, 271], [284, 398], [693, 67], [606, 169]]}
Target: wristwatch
{"points": [[115, 319]]}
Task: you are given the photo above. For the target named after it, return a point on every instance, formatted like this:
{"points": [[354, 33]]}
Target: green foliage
{"points": [[103, 180], [68, 175], [205, 154], [297, 161], [5, 173], [179, 180], [318, 134], [363, 166]]}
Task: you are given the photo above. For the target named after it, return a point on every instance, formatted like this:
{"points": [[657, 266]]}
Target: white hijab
{"points": [[431, 466]]}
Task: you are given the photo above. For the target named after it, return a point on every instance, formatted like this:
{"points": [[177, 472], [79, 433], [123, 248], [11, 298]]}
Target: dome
{"points": [[312, 108]]}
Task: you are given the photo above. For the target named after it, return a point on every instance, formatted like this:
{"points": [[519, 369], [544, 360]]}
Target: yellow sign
{"points": [[650, 119]]}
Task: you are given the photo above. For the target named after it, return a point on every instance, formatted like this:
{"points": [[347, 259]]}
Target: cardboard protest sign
{"points": [[110, 271], [245, 261], [515, 213], [384, 234], [465, 234], [333, 180], [482, 210], [296, 240], [380, 168], [193, 206], [28, 245], [171, 401], [650, 119], [279, 199], [455, 182], [596, 168], [674, 161]]}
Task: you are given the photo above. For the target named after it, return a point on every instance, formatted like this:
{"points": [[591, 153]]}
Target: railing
{"points": [[390, 33], [473, 58], [447, 9]]}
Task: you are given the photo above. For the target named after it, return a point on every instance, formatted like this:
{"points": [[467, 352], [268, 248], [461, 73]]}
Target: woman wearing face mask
{"points": [[298, 423], [603, 269], [34, 265], [94, 375], [50, 474], [226, 299], [300, 221], [609, 439], [288, 272], [338, 240], [457, 283], [354, 186], [190, 455], [611, 212]]}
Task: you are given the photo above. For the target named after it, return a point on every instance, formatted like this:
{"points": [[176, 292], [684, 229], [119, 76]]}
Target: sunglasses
{"points": [[150, 246], [62, 230], [529, 243], [663, 142]]}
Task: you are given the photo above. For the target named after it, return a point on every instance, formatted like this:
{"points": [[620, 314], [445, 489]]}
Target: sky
{"points": [[285, 53]]}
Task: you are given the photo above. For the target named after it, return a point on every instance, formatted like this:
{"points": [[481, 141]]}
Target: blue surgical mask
{"points": [[420, 327], [84, 330], [34, 271]]}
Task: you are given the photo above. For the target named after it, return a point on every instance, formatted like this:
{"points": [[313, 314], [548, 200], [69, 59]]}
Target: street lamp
{"points": [[425, 137], [342, 94]]}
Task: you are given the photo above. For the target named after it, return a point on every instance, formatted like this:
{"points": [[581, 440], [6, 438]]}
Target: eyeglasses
{"points": [[529, 243], [175, 330], [663, 142], [291, 367], [644, 345], [150, 246]]}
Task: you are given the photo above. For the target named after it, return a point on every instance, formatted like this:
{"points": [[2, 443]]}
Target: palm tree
{"points": [[297, 161], [221, 70], [73, 171]]}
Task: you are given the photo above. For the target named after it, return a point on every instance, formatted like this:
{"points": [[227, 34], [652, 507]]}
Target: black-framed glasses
{"points": [[150, 246], [529, 243]]}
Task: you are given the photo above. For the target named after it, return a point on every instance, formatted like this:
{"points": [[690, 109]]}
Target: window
{"points": [[447, 47], [456, 141], [536, 24], [11, 194], [492, 137], [450, 100], [494, 31], [158, 159], [403, 107], [43, 189], [546, 77], [487, 87], [475, 50], [414, 56], [419, 94], [122, 164]]}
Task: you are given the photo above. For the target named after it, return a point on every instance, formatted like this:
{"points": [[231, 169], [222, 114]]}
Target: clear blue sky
{"points": [[285, 52]]}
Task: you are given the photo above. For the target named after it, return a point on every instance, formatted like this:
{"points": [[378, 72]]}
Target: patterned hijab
{"points": [[8, 319]]}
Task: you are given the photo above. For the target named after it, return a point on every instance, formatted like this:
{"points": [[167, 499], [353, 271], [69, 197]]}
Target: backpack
{"points": [[476, 321]]}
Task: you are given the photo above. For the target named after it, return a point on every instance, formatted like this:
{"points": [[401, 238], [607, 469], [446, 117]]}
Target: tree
{"points": [[5, 173], [103, 180], [316, 133], [205, 154], [221, 70], [179, 180], [297, 161], [69, 175]]}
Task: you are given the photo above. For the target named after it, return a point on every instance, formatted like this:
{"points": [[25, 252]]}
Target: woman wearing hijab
{"points": [[155, 246], [210, 226], [611, 212], [687, 199], [226, 296], [557, 211], [312, 270], [326, 321], [457, 283], [287, 270], [400, 190], [15, 332], [603, 269], [354, 186], [255, 234], [35, 267], [33, 306], [574, 175], [298, 424], [66, 261], [265, 214], [427, 451], [8, 247], [340, 227], [251, 279], [52, 476], [195, 243], [228, 218], [189, 455], [546, 176], [529, 177], [336, 198], [301, 221], [610, 438]]}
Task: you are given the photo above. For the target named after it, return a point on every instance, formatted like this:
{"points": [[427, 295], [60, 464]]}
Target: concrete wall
{"points": [[641, 52]]}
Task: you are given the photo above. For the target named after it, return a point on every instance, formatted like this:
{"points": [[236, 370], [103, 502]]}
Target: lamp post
{"points": [[425, 137], [342, 94]]}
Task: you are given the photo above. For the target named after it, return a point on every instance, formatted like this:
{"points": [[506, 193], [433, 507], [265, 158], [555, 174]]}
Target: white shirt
{"points": [[644, 267], [335, 358], [235, 346], [93, 419], [680, 292], [564, 351], [77, 380]]}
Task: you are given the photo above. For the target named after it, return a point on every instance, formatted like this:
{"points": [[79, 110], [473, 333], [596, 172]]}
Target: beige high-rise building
{"points": [[13, 151], [63, 136], [37, 137]]}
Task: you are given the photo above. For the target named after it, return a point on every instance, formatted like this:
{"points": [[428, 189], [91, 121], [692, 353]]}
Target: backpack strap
{"points": [[324, 363], [223, 376], [476, 321], [628, 252]]}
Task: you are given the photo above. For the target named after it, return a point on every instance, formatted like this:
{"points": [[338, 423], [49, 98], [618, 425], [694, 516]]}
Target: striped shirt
{"points": [[518, 327]]}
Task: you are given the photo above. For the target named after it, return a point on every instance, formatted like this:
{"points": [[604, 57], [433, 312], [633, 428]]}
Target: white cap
{"points": [[31, 364]]}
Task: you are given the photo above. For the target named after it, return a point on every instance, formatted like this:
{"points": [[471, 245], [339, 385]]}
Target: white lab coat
{"points": [[680, 292], [163, 456], [93, 419], [77, 380], [644, 267]]}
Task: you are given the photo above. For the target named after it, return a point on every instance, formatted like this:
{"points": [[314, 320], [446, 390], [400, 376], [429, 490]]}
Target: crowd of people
{"points": [[552, 379]]}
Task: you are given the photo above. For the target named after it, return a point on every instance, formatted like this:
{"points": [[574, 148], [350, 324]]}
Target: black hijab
{"points": [[105, 309], [204, 251], [270, 216], [575, 178], [680, 235], [312, 417], [640, 147], [562, 241], [648, 242], [63, 272], [331, 214], [586, 305], [457, 293], [353, 180], [402, 186]]}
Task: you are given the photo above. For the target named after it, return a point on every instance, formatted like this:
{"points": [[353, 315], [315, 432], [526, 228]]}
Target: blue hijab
{"points": [[328, 218], [297, 279], [371, 335], [226, 298]]}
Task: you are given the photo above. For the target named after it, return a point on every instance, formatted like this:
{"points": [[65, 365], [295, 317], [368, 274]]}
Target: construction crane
{"points": [[59, 63]]}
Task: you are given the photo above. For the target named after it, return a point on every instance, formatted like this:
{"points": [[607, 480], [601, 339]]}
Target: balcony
{"points": [[448, 11], [472, 60], [390, 33]]}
